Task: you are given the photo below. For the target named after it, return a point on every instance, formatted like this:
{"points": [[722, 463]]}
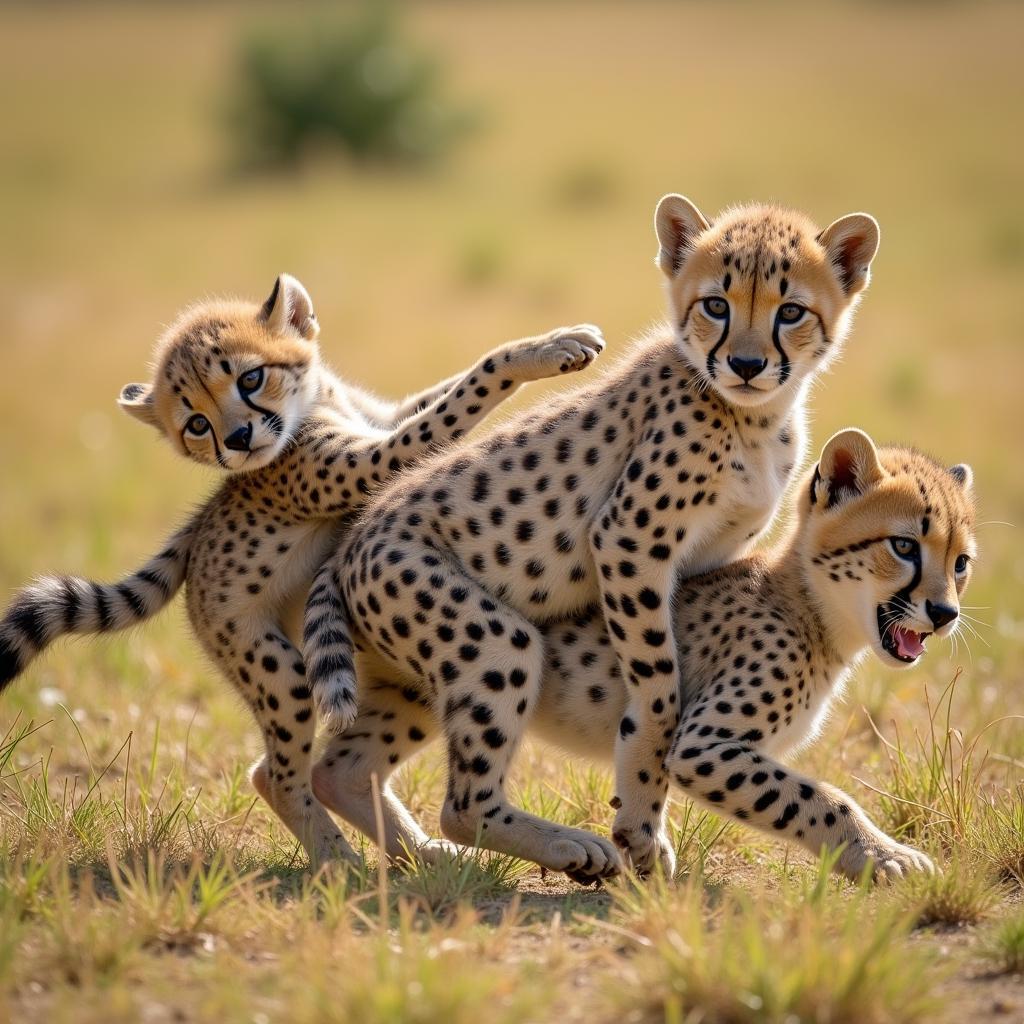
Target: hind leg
{"points": [[394, 723], [270, 675], [484, 662]]}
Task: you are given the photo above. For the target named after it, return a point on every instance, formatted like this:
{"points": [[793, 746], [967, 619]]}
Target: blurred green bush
{"points": [[355, 84]]}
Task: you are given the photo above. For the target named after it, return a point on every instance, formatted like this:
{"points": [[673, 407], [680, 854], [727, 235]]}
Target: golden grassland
{"points": [[139, 877]]}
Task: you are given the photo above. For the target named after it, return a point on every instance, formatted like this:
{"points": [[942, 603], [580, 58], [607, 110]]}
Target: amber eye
{"points": [[961, 564], [198, 425], [791, 312], [905, 547], [250, 381], [716, 308]]}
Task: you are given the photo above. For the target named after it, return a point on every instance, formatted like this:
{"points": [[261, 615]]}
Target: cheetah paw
{"points": [[646, 852], [564, 350], [584, 857], [333, 849], [433, 851], [890, 860]]}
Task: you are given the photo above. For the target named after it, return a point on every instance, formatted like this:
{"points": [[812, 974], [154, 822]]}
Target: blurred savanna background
{"points": [[443, 177]]}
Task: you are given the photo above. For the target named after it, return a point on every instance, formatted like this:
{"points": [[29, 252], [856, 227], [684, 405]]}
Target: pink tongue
{"points": [[908, 643]]}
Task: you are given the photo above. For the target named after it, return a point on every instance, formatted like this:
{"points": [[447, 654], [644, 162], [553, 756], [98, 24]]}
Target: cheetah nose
{"points": [[239, 440], [940, 614], [748, 369]]}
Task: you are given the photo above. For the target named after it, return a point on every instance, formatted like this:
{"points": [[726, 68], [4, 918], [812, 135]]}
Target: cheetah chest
{"points": [[760, 472]]}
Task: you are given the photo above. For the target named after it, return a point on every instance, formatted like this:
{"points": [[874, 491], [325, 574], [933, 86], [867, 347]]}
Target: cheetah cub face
{"points": [[233, 380], [760, 299], [889, 544]]}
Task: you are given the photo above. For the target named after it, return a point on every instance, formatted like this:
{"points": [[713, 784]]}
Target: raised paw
{"points": [[564, 350], [584, 857], [645, 849], [890, 860]]}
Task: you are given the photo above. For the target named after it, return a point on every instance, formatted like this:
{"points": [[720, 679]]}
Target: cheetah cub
{"points": [[877, 561], [670, 465], [241, 387], [878, 556]]}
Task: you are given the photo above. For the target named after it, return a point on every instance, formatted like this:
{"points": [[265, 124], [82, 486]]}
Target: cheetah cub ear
{"points": [[137, 401], [851, 243], [848, 467], [963, 475], [289, 309], [677, 223]]}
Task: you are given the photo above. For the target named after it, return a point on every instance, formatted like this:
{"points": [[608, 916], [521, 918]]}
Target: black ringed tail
{"points": [[328, 650], [55, 606]]}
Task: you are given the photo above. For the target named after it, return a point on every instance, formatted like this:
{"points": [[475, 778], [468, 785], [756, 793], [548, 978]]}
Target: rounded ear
{"points": [[963, 475], [137, 401], [289, 309], [848, 467], [851, 243], [677, 223]]}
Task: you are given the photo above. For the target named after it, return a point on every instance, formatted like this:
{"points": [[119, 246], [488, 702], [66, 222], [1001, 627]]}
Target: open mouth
{"points": [[902, 643]]}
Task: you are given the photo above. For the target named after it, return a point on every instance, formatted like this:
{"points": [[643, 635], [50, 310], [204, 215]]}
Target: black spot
{"points": [[494, 680], [494, 738], [520, 639]]}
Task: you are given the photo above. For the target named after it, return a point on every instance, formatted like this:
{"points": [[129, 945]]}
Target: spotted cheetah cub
{"points": [[877, 561], [670, 465], [241, 387], [877, 558]]}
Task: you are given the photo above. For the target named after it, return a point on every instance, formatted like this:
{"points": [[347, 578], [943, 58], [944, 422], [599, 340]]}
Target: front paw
{"points": [[889, 860], [564, 350], [646, 846]]}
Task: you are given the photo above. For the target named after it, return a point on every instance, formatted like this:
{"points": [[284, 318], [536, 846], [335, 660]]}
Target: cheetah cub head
{"points": [[232, 380], [760, 299], [887, 545]]}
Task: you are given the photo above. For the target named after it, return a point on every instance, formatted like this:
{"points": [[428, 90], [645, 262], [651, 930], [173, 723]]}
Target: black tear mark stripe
{"points": [[267, 413], [784, 367], [713, 354], [905, 593]]}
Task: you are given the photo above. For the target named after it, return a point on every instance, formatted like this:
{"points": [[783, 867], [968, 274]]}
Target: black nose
{"points": [[940, 614], [239, 440], [748, 369]]}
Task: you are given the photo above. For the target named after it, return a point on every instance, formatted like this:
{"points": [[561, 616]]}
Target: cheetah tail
{"points": [[53, 606], [329, 652]]}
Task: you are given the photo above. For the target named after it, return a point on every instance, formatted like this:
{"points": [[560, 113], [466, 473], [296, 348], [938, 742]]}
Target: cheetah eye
{"points": [[198, 425], [905, 547], [791, 312], [962, 562], [716, 308], [250, 381]]}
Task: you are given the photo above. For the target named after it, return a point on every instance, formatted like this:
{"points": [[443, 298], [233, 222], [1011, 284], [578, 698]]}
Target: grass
{"points": [[1004, 948], [139, 876], [811, 953], [965, 892]]}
